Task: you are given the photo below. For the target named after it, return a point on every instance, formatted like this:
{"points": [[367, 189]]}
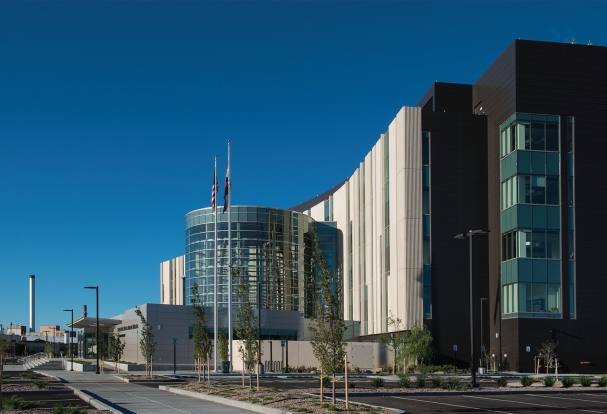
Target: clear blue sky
{"points": [[111, 114]]}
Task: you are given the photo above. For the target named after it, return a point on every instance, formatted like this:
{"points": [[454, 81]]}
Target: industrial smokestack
{"points": [[84, 312], [32, 303]]}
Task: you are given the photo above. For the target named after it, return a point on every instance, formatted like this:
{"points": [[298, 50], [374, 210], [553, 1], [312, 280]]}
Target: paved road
{"points": [[506, 404], [131, 398]]}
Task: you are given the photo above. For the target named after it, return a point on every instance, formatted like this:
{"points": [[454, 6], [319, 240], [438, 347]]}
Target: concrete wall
{"points": [[364, 355], [174, 321]]}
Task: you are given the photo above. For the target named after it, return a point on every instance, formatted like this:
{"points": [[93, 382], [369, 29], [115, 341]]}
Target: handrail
{"points": [[30, 358]]}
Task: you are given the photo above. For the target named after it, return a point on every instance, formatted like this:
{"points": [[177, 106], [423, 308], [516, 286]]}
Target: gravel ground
{"points": [[29, 387], [293, 400]]}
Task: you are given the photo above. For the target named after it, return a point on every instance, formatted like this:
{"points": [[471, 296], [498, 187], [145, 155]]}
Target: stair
{"points": [[45, 364]]}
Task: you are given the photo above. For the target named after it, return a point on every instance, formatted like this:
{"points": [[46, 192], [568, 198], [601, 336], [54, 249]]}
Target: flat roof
{"points": [[86, 322]]}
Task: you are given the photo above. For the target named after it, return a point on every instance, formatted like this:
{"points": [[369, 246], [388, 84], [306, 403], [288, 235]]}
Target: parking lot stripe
{"points": [[453, 405], [528, 403], [575, 399]]}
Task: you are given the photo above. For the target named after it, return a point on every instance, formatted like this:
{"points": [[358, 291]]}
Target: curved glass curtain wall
{"points": [[271, 245]]}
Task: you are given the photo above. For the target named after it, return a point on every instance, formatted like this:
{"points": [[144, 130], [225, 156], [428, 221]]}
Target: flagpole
{"points": [[215, 308], [230, 259]]}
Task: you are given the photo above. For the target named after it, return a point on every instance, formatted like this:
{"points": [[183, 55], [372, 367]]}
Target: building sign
{"points": [[128, 327]]}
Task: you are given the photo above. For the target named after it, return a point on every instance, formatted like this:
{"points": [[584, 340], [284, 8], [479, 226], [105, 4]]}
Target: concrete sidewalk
{"points": [[122, 397]]}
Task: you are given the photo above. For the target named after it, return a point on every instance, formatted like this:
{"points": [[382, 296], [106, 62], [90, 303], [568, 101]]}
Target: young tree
{"points": [[3, 351], [203, 342], [246, 324], [49, 349], [115, 349], [223, 347], [328, 327], [547, 352], [418, 345], [147, 343], [396, 339]]}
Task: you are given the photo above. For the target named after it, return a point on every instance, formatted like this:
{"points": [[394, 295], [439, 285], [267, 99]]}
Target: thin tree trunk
{"points": [[198, 366], [243, 371], [321, 390], [333, 389], [209, 369], [152, 366]]}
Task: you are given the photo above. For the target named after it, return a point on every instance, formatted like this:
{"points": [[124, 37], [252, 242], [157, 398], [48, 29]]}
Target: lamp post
{"points": [[470, 235], [97, 334], [71, 335]]}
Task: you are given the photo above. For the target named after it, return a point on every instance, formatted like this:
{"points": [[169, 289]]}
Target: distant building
{"points": [[172, 281], [16, 330]]}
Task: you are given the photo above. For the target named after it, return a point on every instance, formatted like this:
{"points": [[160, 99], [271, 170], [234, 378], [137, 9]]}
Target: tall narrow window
{"points": [[571, 203], [386, 246], [530, 219], [426, 231]]}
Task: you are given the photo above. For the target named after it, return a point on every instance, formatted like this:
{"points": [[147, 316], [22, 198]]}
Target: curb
{"points": [[93, 401], [226, 401], [249, 406]]}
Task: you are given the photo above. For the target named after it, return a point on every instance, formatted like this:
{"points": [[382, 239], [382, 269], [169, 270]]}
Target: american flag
{"points": [[214, 193]]}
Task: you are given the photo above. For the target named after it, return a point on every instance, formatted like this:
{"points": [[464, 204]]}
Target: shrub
{"points": [[421, 381], [40, 384], [567, 382], [585, 381], [312, 369], [404, 381], [326, 382], [16, 403], [381, 373], [454, 383], [301, 369], [386, 368], [502, 382], [72, 409], [437, 382], [603, 381], [548, 381], [358, 370], [27, 375], [6, 377], [527, 381], [377, 382]]}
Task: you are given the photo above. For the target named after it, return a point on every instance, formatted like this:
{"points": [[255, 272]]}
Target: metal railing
{"points": [[31, 359]]}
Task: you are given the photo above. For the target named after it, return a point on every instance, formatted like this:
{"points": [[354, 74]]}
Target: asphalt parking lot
{"points": [[507, 404], [491, 400]]}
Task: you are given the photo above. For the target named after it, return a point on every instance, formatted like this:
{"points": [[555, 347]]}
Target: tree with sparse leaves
{"points": [[396, 339], [203, 342], [547, 352], [246, 324], [147, 343], [328, 327], [3, 351], [115, 349]]}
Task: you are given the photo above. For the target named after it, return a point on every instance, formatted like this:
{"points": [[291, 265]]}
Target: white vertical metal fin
{"points": [[32, 303], [230, 258], [215, 307]]}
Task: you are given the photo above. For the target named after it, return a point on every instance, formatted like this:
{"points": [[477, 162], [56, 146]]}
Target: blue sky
{"points": [[111, 113]]}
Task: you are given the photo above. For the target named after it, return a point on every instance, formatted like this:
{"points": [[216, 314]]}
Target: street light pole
{"points": [[470, 235], [71, 335], [97, 334]]}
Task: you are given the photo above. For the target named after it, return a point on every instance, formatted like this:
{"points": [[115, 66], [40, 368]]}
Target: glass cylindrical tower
{"points": [[271, 246]]}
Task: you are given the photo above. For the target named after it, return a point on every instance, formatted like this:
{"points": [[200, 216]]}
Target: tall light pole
{"points": [[71, 335], [470, 235], [97, 334]]}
